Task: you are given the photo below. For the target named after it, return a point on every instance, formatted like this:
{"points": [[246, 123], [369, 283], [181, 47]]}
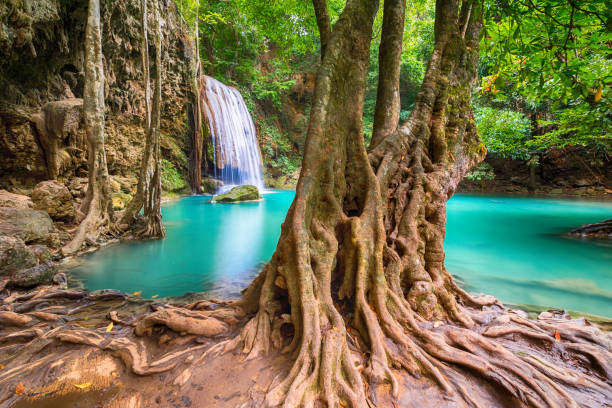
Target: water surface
{"points": [[511, 248]]}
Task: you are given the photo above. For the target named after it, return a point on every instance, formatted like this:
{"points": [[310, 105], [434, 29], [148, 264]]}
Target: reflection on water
{"points": [[511, 248], [209, 247]]}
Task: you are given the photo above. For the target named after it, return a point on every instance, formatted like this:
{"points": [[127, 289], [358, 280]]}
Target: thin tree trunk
{"points": [[146, 165], [97, 204], [362, 245], [323, 22], [387, 110], [197, 142], [152, 206]]}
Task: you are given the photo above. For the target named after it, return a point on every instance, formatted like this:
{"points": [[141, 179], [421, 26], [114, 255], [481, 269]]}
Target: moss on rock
{"points": [[237, 194]]}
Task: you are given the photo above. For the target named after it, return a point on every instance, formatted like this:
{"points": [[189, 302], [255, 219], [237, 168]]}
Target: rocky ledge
{"points": [[238, 194]]}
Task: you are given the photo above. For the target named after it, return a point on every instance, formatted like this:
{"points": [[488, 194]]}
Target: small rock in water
{"points": [[237, 194]]}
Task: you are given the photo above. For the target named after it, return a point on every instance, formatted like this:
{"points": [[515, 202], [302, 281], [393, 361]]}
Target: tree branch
{"points": [[387, 110], [323, 22]]}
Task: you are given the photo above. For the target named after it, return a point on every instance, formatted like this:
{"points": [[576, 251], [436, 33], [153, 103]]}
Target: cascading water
{"points": [[236, 153]]}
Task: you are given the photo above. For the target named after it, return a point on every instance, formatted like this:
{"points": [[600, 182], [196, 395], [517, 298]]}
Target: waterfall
{"points": [[236, 153]]}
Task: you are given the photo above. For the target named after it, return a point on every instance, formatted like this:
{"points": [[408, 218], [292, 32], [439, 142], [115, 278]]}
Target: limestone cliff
{"points": [[41, 79]]}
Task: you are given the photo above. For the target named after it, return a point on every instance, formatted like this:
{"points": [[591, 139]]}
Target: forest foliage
{"points": [[545, 69]]}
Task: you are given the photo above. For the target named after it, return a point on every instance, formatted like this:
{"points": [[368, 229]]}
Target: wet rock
{"points": [[15, 255], [237, 194], [54, 198], [25, 224], [15, 200]]}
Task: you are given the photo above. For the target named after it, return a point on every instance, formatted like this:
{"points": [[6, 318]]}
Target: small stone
{"points": [[60, 279]]}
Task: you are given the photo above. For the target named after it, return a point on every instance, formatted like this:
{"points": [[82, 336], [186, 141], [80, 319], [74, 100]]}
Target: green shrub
{"points": [[171, 179]]}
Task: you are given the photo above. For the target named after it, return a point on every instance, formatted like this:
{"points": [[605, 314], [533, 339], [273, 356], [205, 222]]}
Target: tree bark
{"points": [[146, 165], [362, 244], [197, 141], [387, 110], [97, 204], [154, 227], [323, 22]]}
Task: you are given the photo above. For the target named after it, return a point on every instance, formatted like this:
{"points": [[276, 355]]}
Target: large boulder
{"points": [[54, 198], [26, 224], [15, 255], [237, 194], [24, 266], [15, 200]]}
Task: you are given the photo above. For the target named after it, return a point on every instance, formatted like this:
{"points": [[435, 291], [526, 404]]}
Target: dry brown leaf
{"points": [[83, 386], [109, 327], [137, 293], [19, 388], [557, 336]]}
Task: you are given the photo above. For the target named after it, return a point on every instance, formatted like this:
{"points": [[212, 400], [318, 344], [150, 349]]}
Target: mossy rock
{"points": [[237, 194]]}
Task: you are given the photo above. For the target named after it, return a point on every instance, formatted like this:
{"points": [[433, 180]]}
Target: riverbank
{"points": [[66, 348]]}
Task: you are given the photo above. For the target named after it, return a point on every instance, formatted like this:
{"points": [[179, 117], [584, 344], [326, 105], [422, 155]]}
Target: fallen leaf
{"points": [[557, 336], [437, 324], [154, 296], [86, 317], [109, 327], [137, 293], [19, 388], [83, 386], [468, 47], [608, 191], [343, 403], [1, 366]]}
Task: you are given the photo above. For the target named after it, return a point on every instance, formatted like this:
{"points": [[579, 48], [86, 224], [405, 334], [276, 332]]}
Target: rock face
{"points": [[15, 200], [28, 225], [55, 199], [237, 194], [41, 81], [60, 135]]}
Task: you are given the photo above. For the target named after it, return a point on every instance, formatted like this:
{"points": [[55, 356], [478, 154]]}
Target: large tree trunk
{"points": [[97, 205], [362, 243]]}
